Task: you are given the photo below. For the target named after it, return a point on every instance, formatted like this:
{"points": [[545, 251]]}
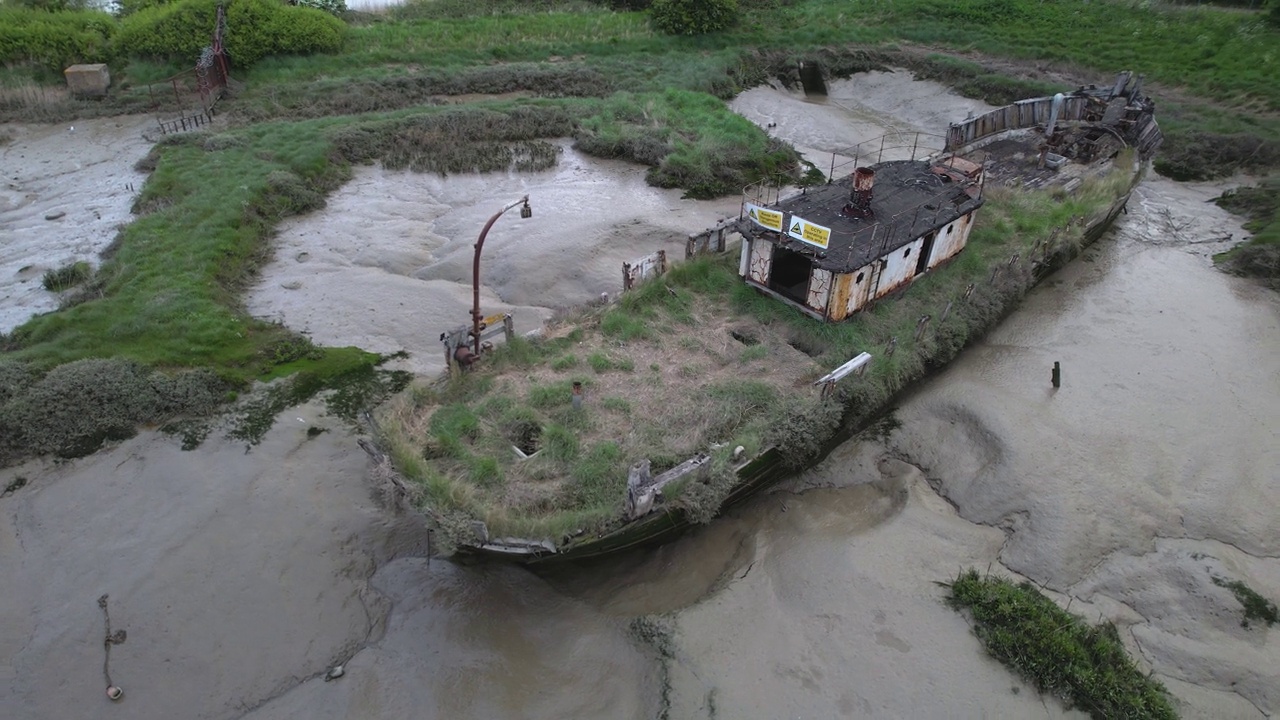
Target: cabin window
{"points": [[859, 278], [907, 253]]}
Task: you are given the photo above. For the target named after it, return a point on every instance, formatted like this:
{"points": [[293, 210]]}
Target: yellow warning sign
{"points": [[806, 231], [768, 219]]}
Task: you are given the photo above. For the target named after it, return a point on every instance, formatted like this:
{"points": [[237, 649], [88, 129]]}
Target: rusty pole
{"points": [[525, 211]]}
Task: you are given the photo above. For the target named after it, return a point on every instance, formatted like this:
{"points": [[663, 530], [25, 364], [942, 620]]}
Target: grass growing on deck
{"points": [[665, 377], [661, 381], [1061, 654]]}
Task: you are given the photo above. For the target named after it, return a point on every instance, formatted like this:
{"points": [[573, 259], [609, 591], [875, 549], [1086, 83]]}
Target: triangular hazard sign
{"points": [[795, 228], [752, 214]]}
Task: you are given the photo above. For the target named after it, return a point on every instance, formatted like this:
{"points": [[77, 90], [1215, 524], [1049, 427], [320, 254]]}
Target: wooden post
{"points": [[626, 276], [509, 327], [920, 325], [662, 262], [945, 312], [1057, 374]]}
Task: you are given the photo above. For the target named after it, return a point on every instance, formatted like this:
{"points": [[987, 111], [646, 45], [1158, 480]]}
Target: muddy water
{"points": [[851, 120], [241, 577], [388, 264], [64, 191], [1149, 473]]}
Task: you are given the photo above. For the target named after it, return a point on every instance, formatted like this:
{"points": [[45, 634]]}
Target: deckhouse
{"points": [[832, 250]]}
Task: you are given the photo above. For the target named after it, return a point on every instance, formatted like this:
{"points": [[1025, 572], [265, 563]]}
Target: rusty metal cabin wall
{"points": [[951, 240], [820, 285], [838, 307], [899, 268], [761, 262], [859, 288]]}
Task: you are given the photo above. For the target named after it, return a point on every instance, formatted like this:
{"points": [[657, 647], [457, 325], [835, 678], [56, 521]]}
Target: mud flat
{"points": [[1148, 474], [861, 109], [81, 175], [388, 264], [241, 578]]}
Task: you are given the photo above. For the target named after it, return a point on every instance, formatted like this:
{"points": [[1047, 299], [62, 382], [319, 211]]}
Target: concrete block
{"points": [[88, 80]]}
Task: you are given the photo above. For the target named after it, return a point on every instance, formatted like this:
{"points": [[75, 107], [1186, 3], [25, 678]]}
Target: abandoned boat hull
{"points": [[769, 467]]}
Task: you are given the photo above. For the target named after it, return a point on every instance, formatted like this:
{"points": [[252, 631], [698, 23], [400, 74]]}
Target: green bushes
{"points": [[66, 277], [1056, 651], [76, 406], [54, 40], [693, 17], [260, 28]]}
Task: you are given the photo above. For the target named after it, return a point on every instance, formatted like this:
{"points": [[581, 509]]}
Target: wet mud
{"points": [[387, 266], [241, 577], [65, 191]]}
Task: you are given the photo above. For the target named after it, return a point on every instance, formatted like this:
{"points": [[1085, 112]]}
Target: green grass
{"points": [[168, 301], [1059, 653], [1260, 256], [66, 277], [1256, 607]]}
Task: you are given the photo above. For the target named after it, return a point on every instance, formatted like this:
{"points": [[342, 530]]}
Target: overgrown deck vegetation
{"points": [[696, 361], [1059, 653]]}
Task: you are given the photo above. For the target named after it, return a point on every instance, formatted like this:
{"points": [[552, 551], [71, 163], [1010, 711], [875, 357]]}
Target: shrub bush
{"points": [[259, 28], [66, 277], [77, 406], [693, 17], [54, 40]]}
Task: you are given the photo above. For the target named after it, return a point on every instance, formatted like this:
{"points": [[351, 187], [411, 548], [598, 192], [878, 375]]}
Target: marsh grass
{"points": [[66, 276], [1059, 653], [1256, 607]]}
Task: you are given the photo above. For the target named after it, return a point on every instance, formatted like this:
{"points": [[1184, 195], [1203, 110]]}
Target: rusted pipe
{"points": [[475, 267]]}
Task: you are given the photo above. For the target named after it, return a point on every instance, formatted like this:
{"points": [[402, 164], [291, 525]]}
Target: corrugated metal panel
{"points": [[819, 289], [761, 260]]}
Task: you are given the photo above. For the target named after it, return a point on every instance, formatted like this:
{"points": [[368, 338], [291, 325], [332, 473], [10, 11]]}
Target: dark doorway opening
{"points": [[811, 78], [790, 275], [922, 263]]}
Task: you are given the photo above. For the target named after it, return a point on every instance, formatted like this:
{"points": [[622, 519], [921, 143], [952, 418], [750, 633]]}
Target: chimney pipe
{"points": [[1054, 111], [864, 180]]}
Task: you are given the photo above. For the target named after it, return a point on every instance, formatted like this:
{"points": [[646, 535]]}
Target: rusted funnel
{"points": [[864, 180]]}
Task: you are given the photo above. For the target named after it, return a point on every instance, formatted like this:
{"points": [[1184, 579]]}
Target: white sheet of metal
{"points": [[819, 289]]}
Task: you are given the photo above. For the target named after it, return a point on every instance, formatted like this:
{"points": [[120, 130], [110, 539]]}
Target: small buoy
{"points": [[115, 693], [336, 672]]}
